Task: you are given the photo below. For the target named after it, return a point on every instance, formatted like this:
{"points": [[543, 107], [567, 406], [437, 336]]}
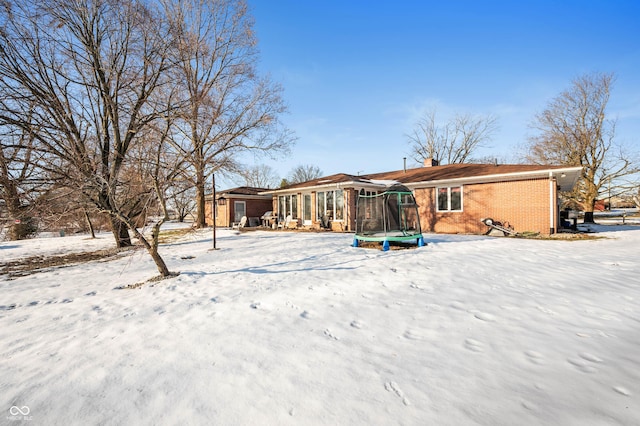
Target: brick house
{"points": [[234, 203], [451, 199]]}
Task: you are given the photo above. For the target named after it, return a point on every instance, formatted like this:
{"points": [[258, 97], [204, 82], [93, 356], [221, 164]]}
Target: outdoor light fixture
{"points": [[222, 201]]}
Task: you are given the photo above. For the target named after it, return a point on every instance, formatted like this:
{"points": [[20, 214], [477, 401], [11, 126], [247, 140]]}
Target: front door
{"points": [[239, 210]]}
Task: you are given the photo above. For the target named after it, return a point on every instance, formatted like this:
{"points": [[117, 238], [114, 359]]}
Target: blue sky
{"points": [[357, 75]]}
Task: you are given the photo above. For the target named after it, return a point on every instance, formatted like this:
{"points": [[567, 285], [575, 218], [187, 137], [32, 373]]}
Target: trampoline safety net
{"points": [[391, 215]]}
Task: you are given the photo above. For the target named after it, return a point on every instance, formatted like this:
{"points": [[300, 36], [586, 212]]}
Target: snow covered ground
{"points": [[301, 328]]}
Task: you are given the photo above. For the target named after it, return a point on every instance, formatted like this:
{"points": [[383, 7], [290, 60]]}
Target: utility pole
{"points": [[213, 209], [609, 193]]}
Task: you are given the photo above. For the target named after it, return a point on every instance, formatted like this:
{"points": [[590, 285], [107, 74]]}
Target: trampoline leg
{"points": [[355, 242], [421, 242], [385, 245]]}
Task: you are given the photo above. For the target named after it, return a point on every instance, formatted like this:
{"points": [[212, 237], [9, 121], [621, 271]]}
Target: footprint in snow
{"points": [[590, 357], [7, 307], [622, 391], [394, 388], [305, 315], [546, 310], [458, 305], [330, 335], [474, 345], [412, 335], [292, 305], [483, 316], [356, 324], [582, 365], [535, 357]]}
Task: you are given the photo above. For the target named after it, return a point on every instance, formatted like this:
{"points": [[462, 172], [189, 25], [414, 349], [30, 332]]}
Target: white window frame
{"points": [[306, 221], [448, 209], [322, 209], [290, 206], [237, 203]]}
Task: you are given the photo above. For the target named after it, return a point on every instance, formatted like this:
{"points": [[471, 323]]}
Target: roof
{"points": [[244, 190], [325, 180], [451, 173], [457, 171], [241, 192]]}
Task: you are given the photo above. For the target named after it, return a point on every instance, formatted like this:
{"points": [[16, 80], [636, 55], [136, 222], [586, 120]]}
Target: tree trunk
{"points": [[18, 229], [120, 233], [89, 224], [160, 264], [152, 249], [589, 205], [588, 217], [200, 202]]}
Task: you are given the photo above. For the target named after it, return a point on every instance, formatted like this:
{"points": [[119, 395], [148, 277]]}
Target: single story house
{"points": [[451, 198], [232, 204]]}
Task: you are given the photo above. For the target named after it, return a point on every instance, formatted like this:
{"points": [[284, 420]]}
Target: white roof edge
{"points": [[334, 185], [373, 183], [231, 195], [489, 178]]}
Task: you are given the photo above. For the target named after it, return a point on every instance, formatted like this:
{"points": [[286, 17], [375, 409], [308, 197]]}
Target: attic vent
{"points": [[325, 181]]}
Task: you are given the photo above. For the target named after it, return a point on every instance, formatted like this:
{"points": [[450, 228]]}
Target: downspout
{"points": [[552, 204]]}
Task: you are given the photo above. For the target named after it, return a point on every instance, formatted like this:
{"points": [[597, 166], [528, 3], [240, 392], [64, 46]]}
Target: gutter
{"points": [[334, 185], [542, 174]]}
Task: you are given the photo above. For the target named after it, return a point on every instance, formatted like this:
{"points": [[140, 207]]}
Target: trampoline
{"points": [[391, 215]]}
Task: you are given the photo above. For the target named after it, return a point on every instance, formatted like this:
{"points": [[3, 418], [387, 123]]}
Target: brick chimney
{"points": [[430, 162]]}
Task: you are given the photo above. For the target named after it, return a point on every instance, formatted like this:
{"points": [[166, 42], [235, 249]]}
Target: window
{"points": [[306, 208], [239, 210], [287, 205], [339, 205], [449, 199], [320, 206], [330, 203]]}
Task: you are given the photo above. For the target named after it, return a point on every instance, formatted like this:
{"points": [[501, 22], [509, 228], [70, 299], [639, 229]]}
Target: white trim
{"points": [[449, 210], [542, 174], [235, 211], [571, 176], [552, 203], [227, 196], [324, 188], [307, 222]]}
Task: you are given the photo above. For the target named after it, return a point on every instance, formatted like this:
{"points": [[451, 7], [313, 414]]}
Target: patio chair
{"points": [[285, 224], [241, 224]]}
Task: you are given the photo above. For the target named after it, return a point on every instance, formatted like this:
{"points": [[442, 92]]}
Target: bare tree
{"points": [[259, 176], [303, 173], [19, 182], [574, 130], [451, 143], [182, 197], [79, 77], [227, 107]]}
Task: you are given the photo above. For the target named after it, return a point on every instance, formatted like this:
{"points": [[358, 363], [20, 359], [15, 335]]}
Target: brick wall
{"points": [[225, 213], [523, 204]]}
